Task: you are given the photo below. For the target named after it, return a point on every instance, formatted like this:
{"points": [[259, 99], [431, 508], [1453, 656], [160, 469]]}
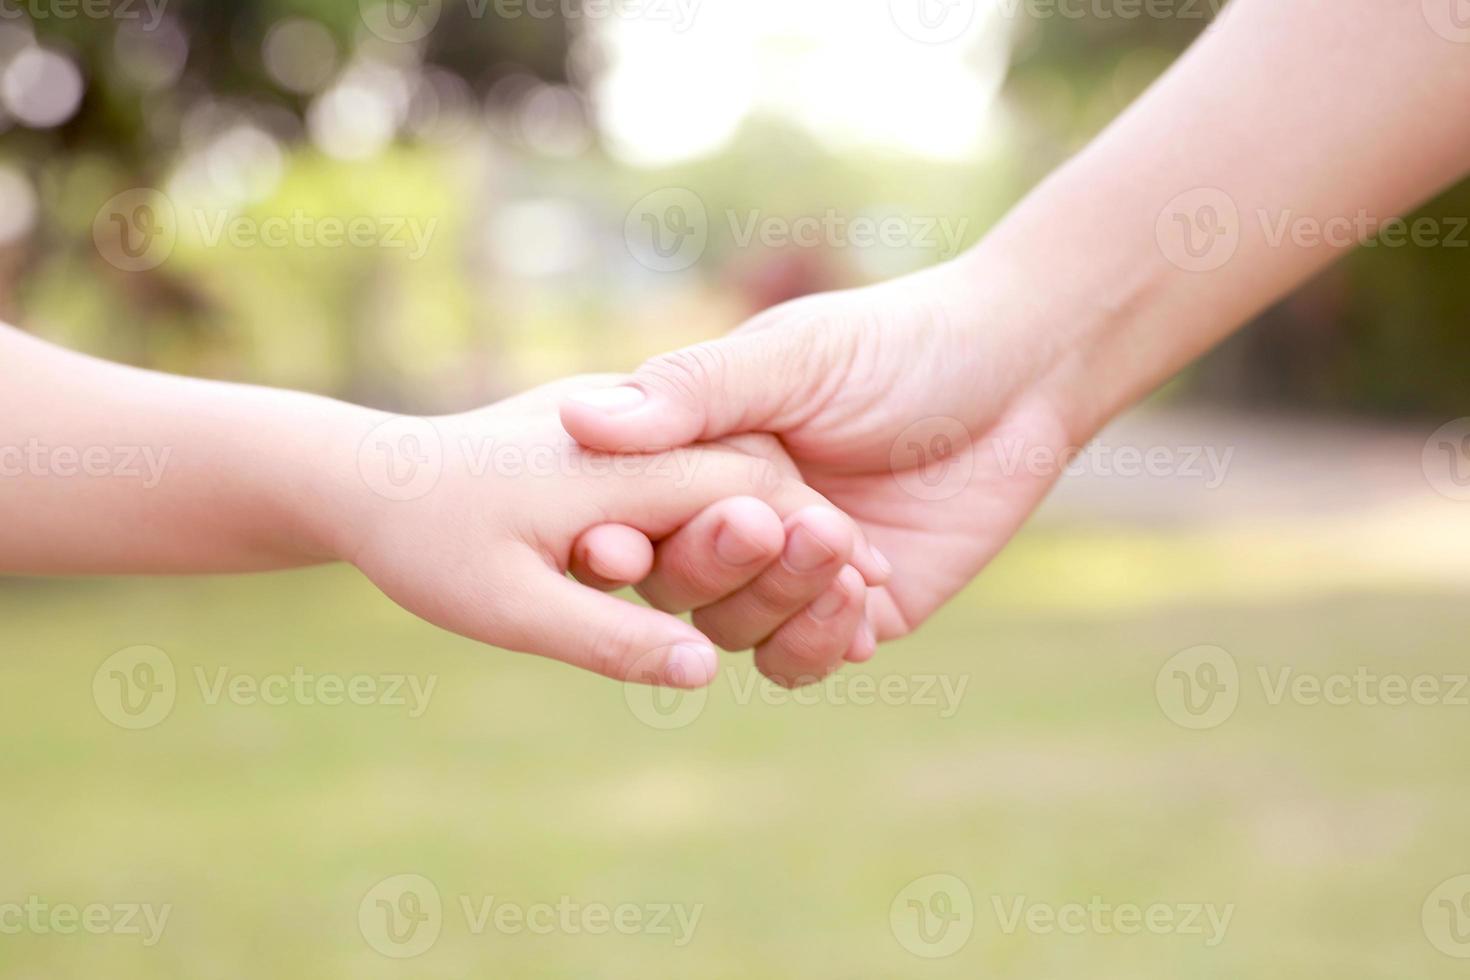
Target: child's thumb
{"points": [[585, 628]]}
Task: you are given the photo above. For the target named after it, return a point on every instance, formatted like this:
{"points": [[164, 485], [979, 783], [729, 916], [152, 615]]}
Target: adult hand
{"points": [[898, 403]]}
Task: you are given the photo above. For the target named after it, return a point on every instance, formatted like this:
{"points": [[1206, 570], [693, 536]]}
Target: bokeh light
{"points": [[41, 87]]}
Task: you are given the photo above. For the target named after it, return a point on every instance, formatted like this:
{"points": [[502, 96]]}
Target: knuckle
{"points": [[762, 476], [689, 374], [613, 653]]}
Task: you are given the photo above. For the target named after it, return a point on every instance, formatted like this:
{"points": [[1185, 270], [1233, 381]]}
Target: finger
{"points": [[611, 556], [658, 493], [864, 645], [812, 644], [717, 553], [549, 614], [818, 544], [735, 384]]}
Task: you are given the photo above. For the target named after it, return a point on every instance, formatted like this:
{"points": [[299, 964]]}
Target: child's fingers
{"points": [[717, 553], [818, 544], [661, 492], [814, 643], [611, 556], [553, 616]]}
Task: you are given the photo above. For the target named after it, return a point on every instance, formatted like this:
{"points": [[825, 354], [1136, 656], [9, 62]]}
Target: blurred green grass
{"points": [[794, 826]]}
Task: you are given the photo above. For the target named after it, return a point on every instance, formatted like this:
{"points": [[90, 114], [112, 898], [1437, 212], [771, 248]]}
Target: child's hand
{"points": [[750, 578], [469, 521]]}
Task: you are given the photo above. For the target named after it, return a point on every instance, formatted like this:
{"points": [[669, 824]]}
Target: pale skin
{"points": [[248, 479], [1068, 312], [1073, 308]]}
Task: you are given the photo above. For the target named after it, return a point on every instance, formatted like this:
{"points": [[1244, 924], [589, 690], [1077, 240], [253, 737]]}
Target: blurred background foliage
{"points": [[510, 133], [524, 143]]}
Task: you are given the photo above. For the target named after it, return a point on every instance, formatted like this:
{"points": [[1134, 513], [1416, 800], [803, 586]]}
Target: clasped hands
{"points": [[762, 481]]}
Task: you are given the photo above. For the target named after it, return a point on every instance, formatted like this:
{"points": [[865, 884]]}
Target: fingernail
{"points": [[619, 399], [691, 665], [881, 560], [829, 603], [734, 548], [805, 552]]}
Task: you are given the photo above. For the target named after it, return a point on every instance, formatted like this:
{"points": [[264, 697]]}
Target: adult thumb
{"points": [[740, 383]]}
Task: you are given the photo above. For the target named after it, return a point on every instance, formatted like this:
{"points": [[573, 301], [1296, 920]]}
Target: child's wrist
{"points": [[330, 501]]}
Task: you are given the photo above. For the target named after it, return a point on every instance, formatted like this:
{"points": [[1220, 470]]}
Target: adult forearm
{"points": [[1288, 132], [105, 468]]}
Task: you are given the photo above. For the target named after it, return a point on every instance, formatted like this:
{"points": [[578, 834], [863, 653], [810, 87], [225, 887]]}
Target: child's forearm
{"points": [[111, 469]]}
